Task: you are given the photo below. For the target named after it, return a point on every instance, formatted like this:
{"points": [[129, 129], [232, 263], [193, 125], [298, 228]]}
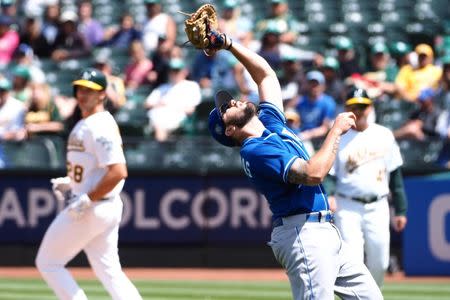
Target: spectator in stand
{"points": [[245, 84], [294, 122], [160, 59], [70, 43], [33, 36], [122, 36], [157, 24], [115, 90], [9, 8], [291, 77], [443, 124], [42, 116], [9, 40], [316, 109], [91, 29], [51, 24], [280, 15], [378, 80], [12, 113], [444, 131], [222, 71], [24, 57], [270, 45], [171, 103], [334, 86], [138, 68], [231, 22], [201, 72], [422, 122], [400, 52], [348, 62], [21, 84], [442, 98], [36, 8], [411, 81]]}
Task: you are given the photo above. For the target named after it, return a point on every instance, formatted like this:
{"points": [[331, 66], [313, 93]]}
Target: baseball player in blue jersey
{"points": [[304, 241]]}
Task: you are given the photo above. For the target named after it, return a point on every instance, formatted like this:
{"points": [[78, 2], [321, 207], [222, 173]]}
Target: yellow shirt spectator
{"points": [[411, 81]]}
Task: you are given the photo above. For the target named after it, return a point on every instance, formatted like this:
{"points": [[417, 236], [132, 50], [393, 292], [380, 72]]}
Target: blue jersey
{"points": [[266, 161]]}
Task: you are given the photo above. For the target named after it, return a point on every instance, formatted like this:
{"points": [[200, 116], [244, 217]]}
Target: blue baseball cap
{"points": [[316, 75], [216, 125], [426, 94]]}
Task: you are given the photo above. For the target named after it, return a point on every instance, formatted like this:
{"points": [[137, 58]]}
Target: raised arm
{"points": [[268, 86], [211, 40], [314, 170]]}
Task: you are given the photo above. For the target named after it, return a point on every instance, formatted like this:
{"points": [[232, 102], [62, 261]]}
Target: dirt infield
{"points": [[198, 274]]}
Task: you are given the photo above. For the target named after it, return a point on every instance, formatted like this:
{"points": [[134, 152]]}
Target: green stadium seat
{"points": [[394, 113], [34, 153], [133, 120], [420, 155]]}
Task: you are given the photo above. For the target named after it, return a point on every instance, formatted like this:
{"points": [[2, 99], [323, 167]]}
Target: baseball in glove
{"points": [[201, 30]]}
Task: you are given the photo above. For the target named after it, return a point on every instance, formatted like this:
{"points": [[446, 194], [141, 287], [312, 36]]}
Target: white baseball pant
{"points": [[97, 234], [365, 228]]}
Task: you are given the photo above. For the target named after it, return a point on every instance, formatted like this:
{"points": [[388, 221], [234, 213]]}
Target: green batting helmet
{"points": [[91, 78]]}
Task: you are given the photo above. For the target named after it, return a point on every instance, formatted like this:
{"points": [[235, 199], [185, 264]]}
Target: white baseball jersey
{"points": [[93, 144], [364, 161]]}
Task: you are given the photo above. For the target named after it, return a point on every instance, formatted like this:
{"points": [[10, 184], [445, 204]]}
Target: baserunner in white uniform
{"points": [[96, 172], [367, 171]]}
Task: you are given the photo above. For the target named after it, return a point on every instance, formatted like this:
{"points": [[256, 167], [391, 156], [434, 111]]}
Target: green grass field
{"points": [[35, 289]]}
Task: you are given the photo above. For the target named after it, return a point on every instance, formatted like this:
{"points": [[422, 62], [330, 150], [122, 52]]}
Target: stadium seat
{"points": [[34, 153], [393, 113], [420, 155], [132, 120]]}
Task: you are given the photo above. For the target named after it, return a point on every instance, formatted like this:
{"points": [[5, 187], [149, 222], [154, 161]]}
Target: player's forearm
{"points": [[113, 176], [268, 86], [253, 62], [321, 162], [314, 171]]}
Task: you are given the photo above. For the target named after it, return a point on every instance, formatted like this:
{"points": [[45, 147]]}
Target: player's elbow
{"points": [[314, 178], [119, 170], [302, 172], [315, 174]]}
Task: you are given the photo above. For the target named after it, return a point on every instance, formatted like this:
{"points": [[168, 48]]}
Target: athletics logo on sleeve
{"points": [[106, 144]]}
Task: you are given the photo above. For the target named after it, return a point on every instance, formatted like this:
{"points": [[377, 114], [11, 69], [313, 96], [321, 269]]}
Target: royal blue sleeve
{"points": [[272, 117], [267, 160]]}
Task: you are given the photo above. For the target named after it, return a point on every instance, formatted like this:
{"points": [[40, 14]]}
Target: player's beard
{"points": [[248, 113]]}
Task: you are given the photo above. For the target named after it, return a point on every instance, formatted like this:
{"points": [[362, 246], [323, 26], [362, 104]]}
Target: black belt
{"points": [[320, 217], [365, 200]]}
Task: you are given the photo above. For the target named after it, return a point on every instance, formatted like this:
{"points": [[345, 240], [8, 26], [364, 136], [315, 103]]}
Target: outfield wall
{"points": [[216, 220]]}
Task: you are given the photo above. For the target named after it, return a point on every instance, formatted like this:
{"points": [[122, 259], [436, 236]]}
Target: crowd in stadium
{"points": [[148, 58]]}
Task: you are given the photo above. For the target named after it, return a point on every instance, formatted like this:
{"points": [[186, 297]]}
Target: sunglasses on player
{"points": [[223, 108]]}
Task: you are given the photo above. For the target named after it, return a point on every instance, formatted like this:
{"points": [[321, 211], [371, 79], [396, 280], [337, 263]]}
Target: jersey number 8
{"points": [[75, 172]]}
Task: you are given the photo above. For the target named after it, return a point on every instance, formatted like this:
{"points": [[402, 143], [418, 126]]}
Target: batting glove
{"points": [[219, 40], [61, 188], [78, 205]]}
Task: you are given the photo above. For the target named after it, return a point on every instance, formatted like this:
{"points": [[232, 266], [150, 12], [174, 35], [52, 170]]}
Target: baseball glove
{"points": [[201, 30]]}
